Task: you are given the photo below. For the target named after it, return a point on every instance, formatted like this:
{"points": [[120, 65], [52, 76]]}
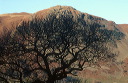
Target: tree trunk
{"points": [[21, 80]]}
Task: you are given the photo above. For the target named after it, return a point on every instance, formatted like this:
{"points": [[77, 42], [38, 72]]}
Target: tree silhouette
{"points": [[50, 49]]}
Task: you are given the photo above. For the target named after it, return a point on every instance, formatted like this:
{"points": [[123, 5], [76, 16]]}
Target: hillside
{"points": [[8, 22], [104, 71]]}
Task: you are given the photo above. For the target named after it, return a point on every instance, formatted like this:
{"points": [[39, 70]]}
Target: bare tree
{"points": [[52, 48]]}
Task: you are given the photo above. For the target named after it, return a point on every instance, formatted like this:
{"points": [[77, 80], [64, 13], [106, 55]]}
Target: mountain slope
{"points": [[8, 22]]}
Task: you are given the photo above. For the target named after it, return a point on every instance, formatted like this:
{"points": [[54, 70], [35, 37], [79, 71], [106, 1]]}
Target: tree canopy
{"points": [[51, 49]]}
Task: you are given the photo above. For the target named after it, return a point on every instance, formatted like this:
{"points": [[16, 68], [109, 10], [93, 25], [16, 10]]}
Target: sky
{"points": [[113, 10]]}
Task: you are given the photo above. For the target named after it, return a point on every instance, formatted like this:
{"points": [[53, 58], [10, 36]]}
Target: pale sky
{"points": [[114, 10]]}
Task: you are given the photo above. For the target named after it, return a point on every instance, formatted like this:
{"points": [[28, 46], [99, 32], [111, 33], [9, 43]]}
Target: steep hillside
{"points": [[124, 28], [123, 44], [8, 22]]}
